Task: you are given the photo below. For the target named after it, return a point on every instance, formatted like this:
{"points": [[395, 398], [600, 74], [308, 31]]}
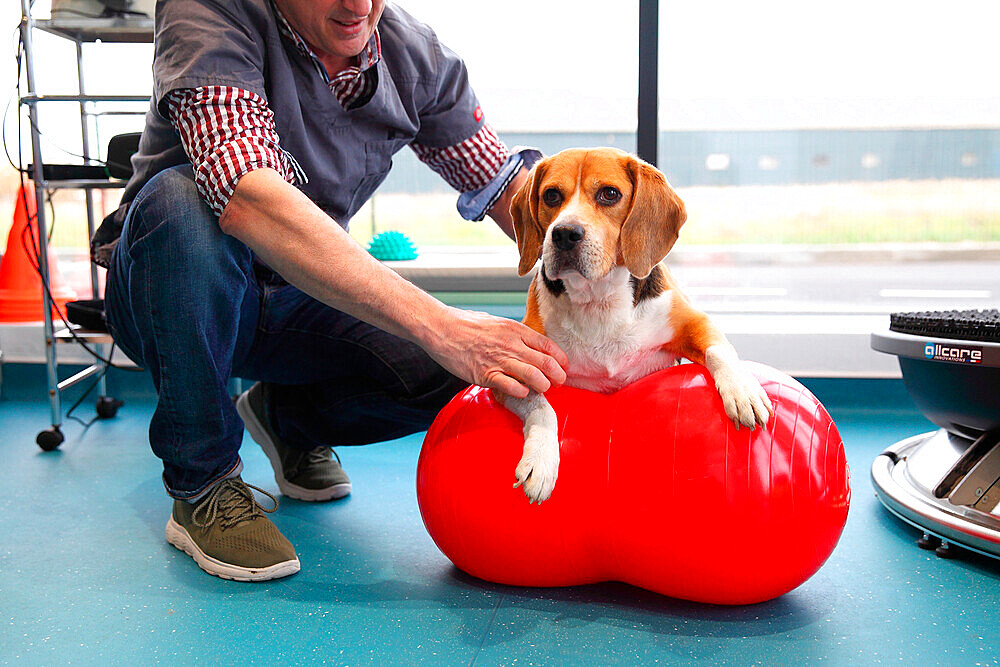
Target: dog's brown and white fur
{"points": [[601, 221]]}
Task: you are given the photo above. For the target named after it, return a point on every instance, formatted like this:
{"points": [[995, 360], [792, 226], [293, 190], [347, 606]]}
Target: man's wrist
{"points": [[429, 324], [476, 204], [501, 208]]}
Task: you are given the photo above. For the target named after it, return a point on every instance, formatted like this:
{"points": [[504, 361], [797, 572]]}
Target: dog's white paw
{"points": [[745, 401], [538, 468]]}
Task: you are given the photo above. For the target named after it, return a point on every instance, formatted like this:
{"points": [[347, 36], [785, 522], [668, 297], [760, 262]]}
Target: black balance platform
{"points": [[947, 482]]}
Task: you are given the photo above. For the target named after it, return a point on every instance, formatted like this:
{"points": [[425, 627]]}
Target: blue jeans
{"points": [[192, 305]]}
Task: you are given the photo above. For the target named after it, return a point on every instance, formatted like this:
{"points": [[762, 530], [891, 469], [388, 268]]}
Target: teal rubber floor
{"points": [[86, 576]]}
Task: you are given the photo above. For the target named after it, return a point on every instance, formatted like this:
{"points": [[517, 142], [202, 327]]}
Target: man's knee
{"points": [[169, 221], [174, 268]]}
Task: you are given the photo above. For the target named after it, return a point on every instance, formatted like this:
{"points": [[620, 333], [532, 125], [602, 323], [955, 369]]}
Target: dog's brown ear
{"points": [[653, 222], [524, 213]]}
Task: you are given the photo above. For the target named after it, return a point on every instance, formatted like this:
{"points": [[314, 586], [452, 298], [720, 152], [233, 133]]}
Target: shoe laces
{"points": [[320, 455], [231, 502]]}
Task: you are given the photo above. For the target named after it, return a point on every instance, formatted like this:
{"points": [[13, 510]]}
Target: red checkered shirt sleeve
{"points": [[227, 132], [469, 165]]}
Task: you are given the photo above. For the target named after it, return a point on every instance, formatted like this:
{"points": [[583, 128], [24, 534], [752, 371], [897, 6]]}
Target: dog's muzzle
{"points": [[567, 235], [565, 248]]}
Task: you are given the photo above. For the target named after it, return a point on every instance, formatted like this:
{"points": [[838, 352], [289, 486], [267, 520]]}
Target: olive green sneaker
{"points": [[313, 475], [228, 535]]}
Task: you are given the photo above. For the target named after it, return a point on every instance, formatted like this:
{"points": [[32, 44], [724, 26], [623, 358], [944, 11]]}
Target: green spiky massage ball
{"points": [[392, 247]]}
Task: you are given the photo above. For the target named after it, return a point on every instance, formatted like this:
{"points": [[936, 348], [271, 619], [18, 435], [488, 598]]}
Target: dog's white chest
{"points": [[609, 342]]}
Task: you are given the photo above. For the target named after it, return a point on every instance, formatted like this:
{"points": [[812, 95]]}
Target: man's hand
{"points": [[497, 353]]}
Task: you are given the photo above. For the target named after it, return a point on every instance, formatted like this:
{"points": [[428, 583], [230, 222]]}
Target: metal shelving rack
{"points": [[79, 31]]}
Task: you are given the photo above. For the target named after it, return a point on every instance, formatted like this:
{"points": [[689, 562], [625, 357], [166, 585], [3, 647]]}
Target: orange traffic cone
{"points": [[20, 284]]}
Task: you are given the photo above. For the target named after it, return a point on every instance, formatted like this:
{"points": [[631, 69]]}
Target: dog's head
{"points": [[589, 210]]}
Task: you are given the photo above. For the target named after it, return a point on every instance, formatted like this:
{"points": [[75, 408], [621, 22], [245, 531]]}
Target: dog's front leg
{"points": [[744, 399], [539, 465]]}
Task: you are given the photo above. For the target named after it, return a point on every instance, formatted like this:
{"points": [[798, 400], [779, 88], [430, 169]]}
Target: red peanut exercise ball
{"points": [[657, 488]]}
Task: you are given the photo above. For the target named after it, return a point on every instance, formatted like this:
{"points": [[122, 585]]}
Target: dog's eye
{"points": [[608, 195], [551, 197]]}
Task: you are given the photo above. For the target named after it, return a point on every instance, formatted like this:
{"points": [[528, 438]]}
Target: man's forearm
{"points": [[311, 251]]}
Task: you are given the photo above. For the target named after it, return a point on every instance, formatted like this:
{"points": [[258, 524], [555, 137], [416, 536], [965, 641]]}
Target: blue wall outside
{"points": [[797, 156]]}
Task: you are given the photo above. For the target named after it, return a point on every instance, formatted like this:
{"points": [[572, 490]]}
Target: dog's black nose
{"points": [[566, 235]]}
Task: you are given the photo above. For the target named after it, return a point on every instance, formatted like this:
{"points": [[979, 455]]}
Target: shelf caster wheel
{"points": [[50, 438], [946, 551], [107, 407], [929, 542]]}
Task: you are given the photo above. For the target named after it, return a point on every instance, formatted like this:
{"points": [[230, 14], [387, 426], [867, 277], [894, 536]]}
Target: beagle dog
{"points": [[601, 221]]}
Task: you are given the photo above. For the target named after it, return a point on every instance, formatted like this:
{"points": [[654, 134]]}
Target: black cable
{"points": [[90, 389], [16, 89], [34, 254], [52, 216], [94, 160], [6, 111]]}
